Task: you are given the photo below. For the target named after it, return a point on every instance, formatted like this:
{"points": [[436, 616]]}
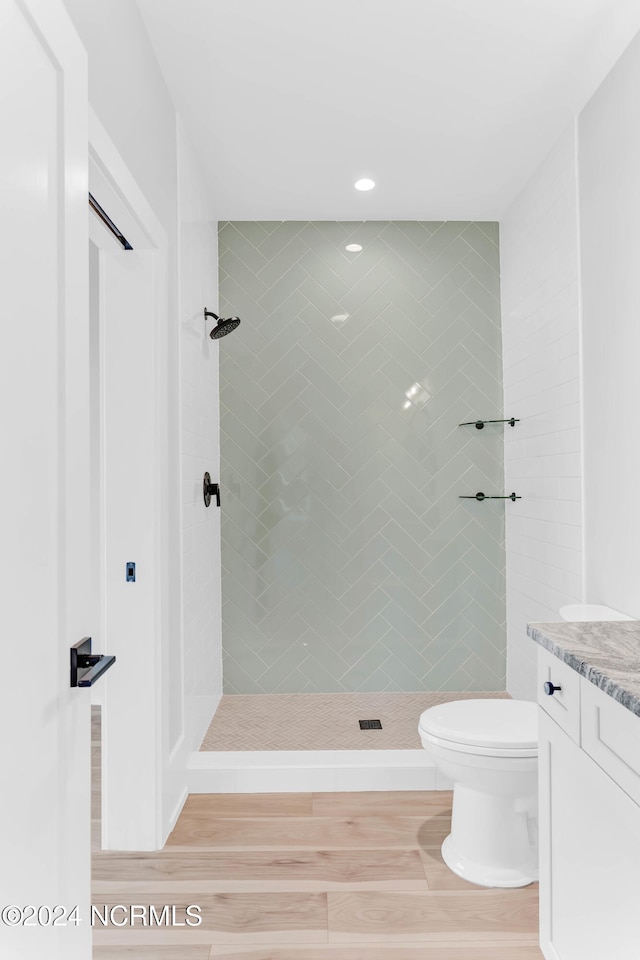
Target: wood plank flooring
{"points": [[354, 876]]}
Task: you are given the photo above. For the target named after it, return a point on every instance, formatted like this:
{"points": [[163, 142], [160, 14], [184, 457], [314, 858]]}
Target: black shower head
{"points": [[222, 327]]}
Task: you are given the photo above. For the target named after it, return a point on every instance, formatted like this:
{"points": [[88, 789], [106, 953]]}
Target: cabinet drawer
{"points": [[611, 735], [564, 704]]}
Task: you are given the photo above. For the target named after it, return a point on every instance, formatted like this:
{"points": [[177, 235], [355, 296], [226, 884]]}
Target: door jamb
{"points": [[119, 193]]}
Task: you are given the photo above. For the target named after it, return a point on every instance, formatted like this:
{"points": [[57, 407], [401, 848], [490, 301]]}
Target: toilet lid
{"points": [[511, 724]]}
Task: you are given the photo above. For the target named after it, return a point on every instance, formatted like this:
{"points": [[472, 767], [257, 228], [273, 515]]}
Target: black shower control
{"points": [[131, 572], [210, 490], [550, 688]]}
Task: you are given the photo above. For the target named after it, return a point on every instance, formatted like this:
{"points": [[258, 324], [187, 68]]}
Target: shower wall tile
{"points": [[199, 658], [349, 563], [543, 461]]}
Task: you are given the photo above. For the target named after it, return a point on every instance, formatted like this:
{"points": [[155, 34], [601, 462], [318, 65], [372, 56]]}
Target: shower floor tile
{"points": [[323, 721]]}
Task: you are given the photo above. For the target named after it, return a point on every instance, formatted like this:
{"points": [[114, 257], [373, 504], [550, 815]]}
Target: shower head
{"points": [[222, 327]]}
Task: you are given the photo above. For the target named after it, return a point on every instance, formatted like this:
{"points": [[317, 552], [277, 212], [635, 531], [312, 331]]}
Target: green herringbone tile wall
{"points": [[349, 563]]}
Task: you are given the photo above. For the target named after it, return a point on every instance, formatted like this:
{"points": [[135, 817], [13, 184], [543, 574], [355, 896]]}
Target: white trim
{"points": [[173, 819], [177, 748], [301, 771], [126, 204], [583, 539], [113, 185], [201, 714], [177, 347]]}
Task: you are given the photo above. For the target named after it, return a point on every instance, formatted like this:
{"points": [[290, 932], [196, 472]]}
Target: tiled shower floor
{"points": [[319, 721]]}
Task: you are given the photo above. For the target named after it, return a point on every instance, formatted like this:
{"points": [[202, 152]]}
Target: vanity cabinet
{"points": [[589, 818]]}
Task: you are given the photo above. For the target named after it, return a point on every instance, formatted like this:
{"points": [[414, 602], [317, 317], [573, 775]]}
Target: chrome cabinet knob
{"points": [[550, 688]]}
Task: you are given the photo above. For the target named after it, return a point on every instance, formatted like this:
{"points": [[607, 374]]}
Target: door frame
{"points": [[159, 797]]}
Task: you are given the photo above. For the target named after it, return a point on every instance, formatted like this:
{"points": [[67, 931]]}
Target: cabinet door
{"points": [[589, 856]]}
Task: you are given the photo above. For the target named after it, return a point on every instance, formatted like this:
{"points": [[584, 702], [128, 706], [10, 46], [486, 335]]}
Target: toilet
{"points": [[489, 749]]}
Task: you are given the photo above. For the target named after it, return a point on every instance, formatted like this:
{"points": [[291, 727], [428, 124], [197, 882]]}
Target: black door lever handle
{"points": [[87, 667]]}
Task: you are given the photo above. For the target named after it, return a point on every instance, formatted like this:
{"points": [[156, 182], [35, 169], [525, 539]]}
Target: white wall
{"points": [[541, 349], [609, 146], [130, 98], [200, 429], [129, 95]]}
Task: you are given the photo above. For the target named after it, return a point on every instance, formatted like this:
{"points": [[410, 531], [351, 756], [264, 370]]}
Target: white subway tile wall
{"points": [[200, 452], [609, 139], [542, 459]]}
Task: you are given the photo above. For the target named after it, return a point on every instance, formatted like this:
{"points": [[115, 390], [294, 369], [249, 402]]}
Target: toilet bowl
{"points": [[489, 749]]}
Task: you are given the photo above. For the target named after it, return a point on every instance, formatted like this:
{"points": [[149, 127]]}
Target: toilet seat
{"points": [[499, 728], [478, 751]]}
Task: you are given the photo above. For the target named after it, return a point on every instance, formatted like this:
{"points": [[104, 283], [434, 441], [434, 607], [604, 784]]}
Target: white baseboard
{"points": [[173, 819], [318, 771], [199, 712]]}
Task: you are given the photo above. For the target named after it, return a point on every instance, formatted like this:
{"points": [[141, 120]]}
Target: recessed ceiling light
{"points": [[353, 247], [364, 184]]}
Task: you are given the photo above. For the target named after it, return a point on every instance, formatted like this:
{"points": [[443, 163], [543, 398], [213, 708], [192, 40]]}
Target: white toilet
{"points": [[489, 748]]}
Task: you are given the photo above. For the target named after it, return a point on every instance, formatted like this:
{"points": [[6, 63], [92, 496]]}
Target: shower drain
{"points": [[370, 724]]}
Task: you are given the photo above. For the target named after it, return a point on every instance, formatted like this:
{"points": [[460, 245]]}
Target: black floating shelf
{"points": [[485, 496], [479, 424]]}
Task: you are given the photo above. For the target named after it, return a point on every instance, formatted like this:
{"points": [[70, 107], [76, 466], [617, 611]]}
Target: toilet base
{"points": [[480, 873], [493, 839]]}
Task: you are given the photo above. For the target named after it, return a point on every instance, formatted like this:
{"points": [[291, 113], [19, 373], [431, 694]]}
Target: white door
{"points": [[45, 587]]}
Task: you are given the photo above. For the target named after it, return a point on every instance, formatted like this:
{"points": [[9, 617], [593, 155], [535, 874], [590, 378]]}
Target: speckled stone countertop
{"points": [[606, 653]]}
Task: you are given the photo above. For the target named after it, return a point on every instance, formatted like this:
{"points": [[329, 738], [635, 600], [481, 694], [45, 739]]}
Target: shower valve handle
{"points": [[209, 490]]}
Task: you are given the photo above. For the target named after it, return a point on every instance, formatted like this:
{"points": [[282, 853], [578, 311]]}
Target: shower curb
{"points": [[318, 771]]}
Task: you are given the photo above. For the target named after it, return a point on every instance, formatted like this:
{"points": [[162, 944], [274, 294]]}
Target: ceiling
{"points": [[449, 105]]}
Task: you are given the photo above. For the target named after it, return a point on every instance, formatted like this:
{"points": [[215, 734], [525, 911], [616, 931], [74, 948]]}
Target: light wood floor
{"points": [[354, 876]]}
